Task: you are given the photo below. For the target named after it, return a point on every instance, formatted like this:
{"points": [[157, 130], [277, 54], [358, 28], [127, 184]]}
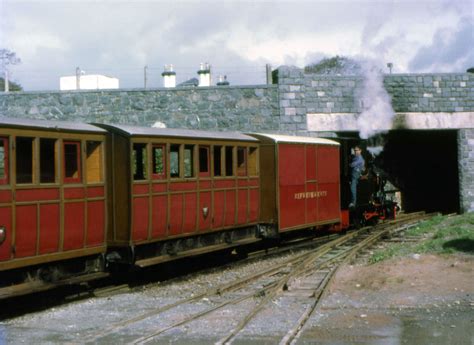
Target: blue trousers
{"points": [[354, 181]]}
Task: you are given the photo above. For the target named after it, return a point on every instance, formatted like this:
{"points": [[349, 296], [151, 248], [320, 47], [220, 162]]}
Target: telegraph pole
{"points": [[7, 86], [145, 76]]}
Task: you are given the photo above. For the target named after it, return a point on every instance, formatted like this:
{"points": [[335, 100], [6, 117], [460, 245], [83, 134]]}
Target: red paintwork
{"points": [[312, 203], [159, 216], [308, 184], [95, 192], [140, 218], [183, 186], [74, 193], [37, 194], [229, 208], [311, 152], [176, 216], [242, 183], [291, 170], [74, 225], [6, 221], [205, 202], [141, 189], [26, 224], [224, 184], [345, 219], [190, 205], [95, 223], [49, 228], [254, 182], [242, 208], [205, 185], [329, 204], [159, 188], [328, 167], [218, 211], [254, 208], [5, 196]]}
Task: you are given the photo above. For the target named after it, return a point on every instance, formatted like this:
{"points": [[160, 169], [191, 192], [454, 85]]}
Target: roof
{"points": [[49, 125], [177, 133], [278, 138]]}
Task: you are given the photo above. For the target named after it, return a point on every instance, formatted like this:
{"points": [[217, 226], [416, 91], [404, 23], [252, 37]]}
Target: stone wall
{"points": [[409, 93], [252, 108], [466, 169]]}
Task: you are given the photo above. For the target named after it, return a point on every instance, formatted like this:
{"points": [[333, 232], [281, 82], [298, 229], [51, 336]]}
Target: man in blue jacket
{"points": [[357, 167]]}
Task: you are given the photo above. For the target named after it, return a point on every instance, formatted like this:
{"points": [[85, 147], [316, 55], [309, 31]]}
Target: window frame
{"points": [[102, 148], [145, 164], [242, 171], [162, 175], [78, 179], [232, 160], [180, 154], [6, 160], [192, 149], [33, 160], [208, 155], [55, 160], [214, 163], [253, 155]]}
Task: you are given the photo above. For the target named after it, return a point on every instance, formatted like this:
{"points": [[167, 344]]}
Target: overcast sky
{"points": [[118, 38]]}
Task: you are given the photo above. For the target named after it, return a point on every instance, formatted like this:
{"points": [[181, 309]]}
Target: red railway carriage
{"points": [[180, 192], [52, 193], [300, 182]]}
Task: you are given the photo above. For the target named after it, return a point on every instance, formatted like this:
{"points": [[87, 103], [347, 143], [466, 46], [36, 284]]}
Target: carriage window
{"points": [[241, 161], [188, 161], [24, 160], [229, 166], [3, 160], [139, 160], [203, 161], [174, 160], [159, 167], [72, 162], [94, 161], [47, 160], [252, 161], [217, 160]]}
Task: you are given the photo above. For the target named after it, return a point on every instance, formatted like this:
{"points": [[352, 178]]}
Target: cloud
{"points": [[449, 48], [238, 38]]}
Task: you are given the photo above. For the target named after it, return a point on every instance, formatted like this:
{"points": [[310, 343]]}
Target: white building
{"points": [[88, 82]]}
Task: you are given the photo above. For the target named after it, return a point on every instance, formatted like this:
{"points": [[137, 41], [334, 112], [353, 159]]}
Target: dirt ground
{"points": [[419, 280], [422, 299]]}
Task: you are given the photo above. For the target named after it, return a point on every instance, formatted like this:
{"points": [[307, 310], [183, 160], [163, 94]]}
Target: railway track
{"points": [[300, 281]]}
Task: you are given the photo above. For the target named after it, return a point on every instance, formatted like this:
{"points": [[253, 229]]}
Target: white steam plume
{"points": [[377, 112]]}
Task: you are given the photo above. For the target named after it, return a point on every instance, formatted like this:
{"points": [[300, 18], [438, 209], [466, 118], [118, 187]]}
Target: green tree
{"points": [[12, 85], [7, 58], [335, 65], [470, 70]]}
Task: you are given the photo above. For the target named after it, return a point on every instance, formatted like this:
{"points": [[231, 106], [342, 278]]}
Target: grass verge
{"points": [[439, 235]]}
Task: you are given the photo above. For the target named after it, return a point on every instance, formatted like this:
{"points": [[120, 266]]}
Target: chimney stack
{"points": [[204, 74], [169, 76], [222, 81]]}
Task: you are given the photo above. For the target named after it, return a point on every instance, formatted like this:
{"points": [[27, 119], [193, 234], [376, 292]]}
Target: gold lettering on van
{"points": [[311, 195]]}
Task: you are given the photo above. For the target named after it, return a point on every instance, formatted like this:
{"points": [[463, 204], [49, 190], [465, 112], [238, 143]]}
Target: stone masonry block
{"points": [[294, 88]]}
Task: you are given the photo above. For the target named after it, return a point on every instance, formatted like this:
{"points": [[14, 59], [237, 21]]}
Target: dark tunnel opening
{"points": [[424, 166]]}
